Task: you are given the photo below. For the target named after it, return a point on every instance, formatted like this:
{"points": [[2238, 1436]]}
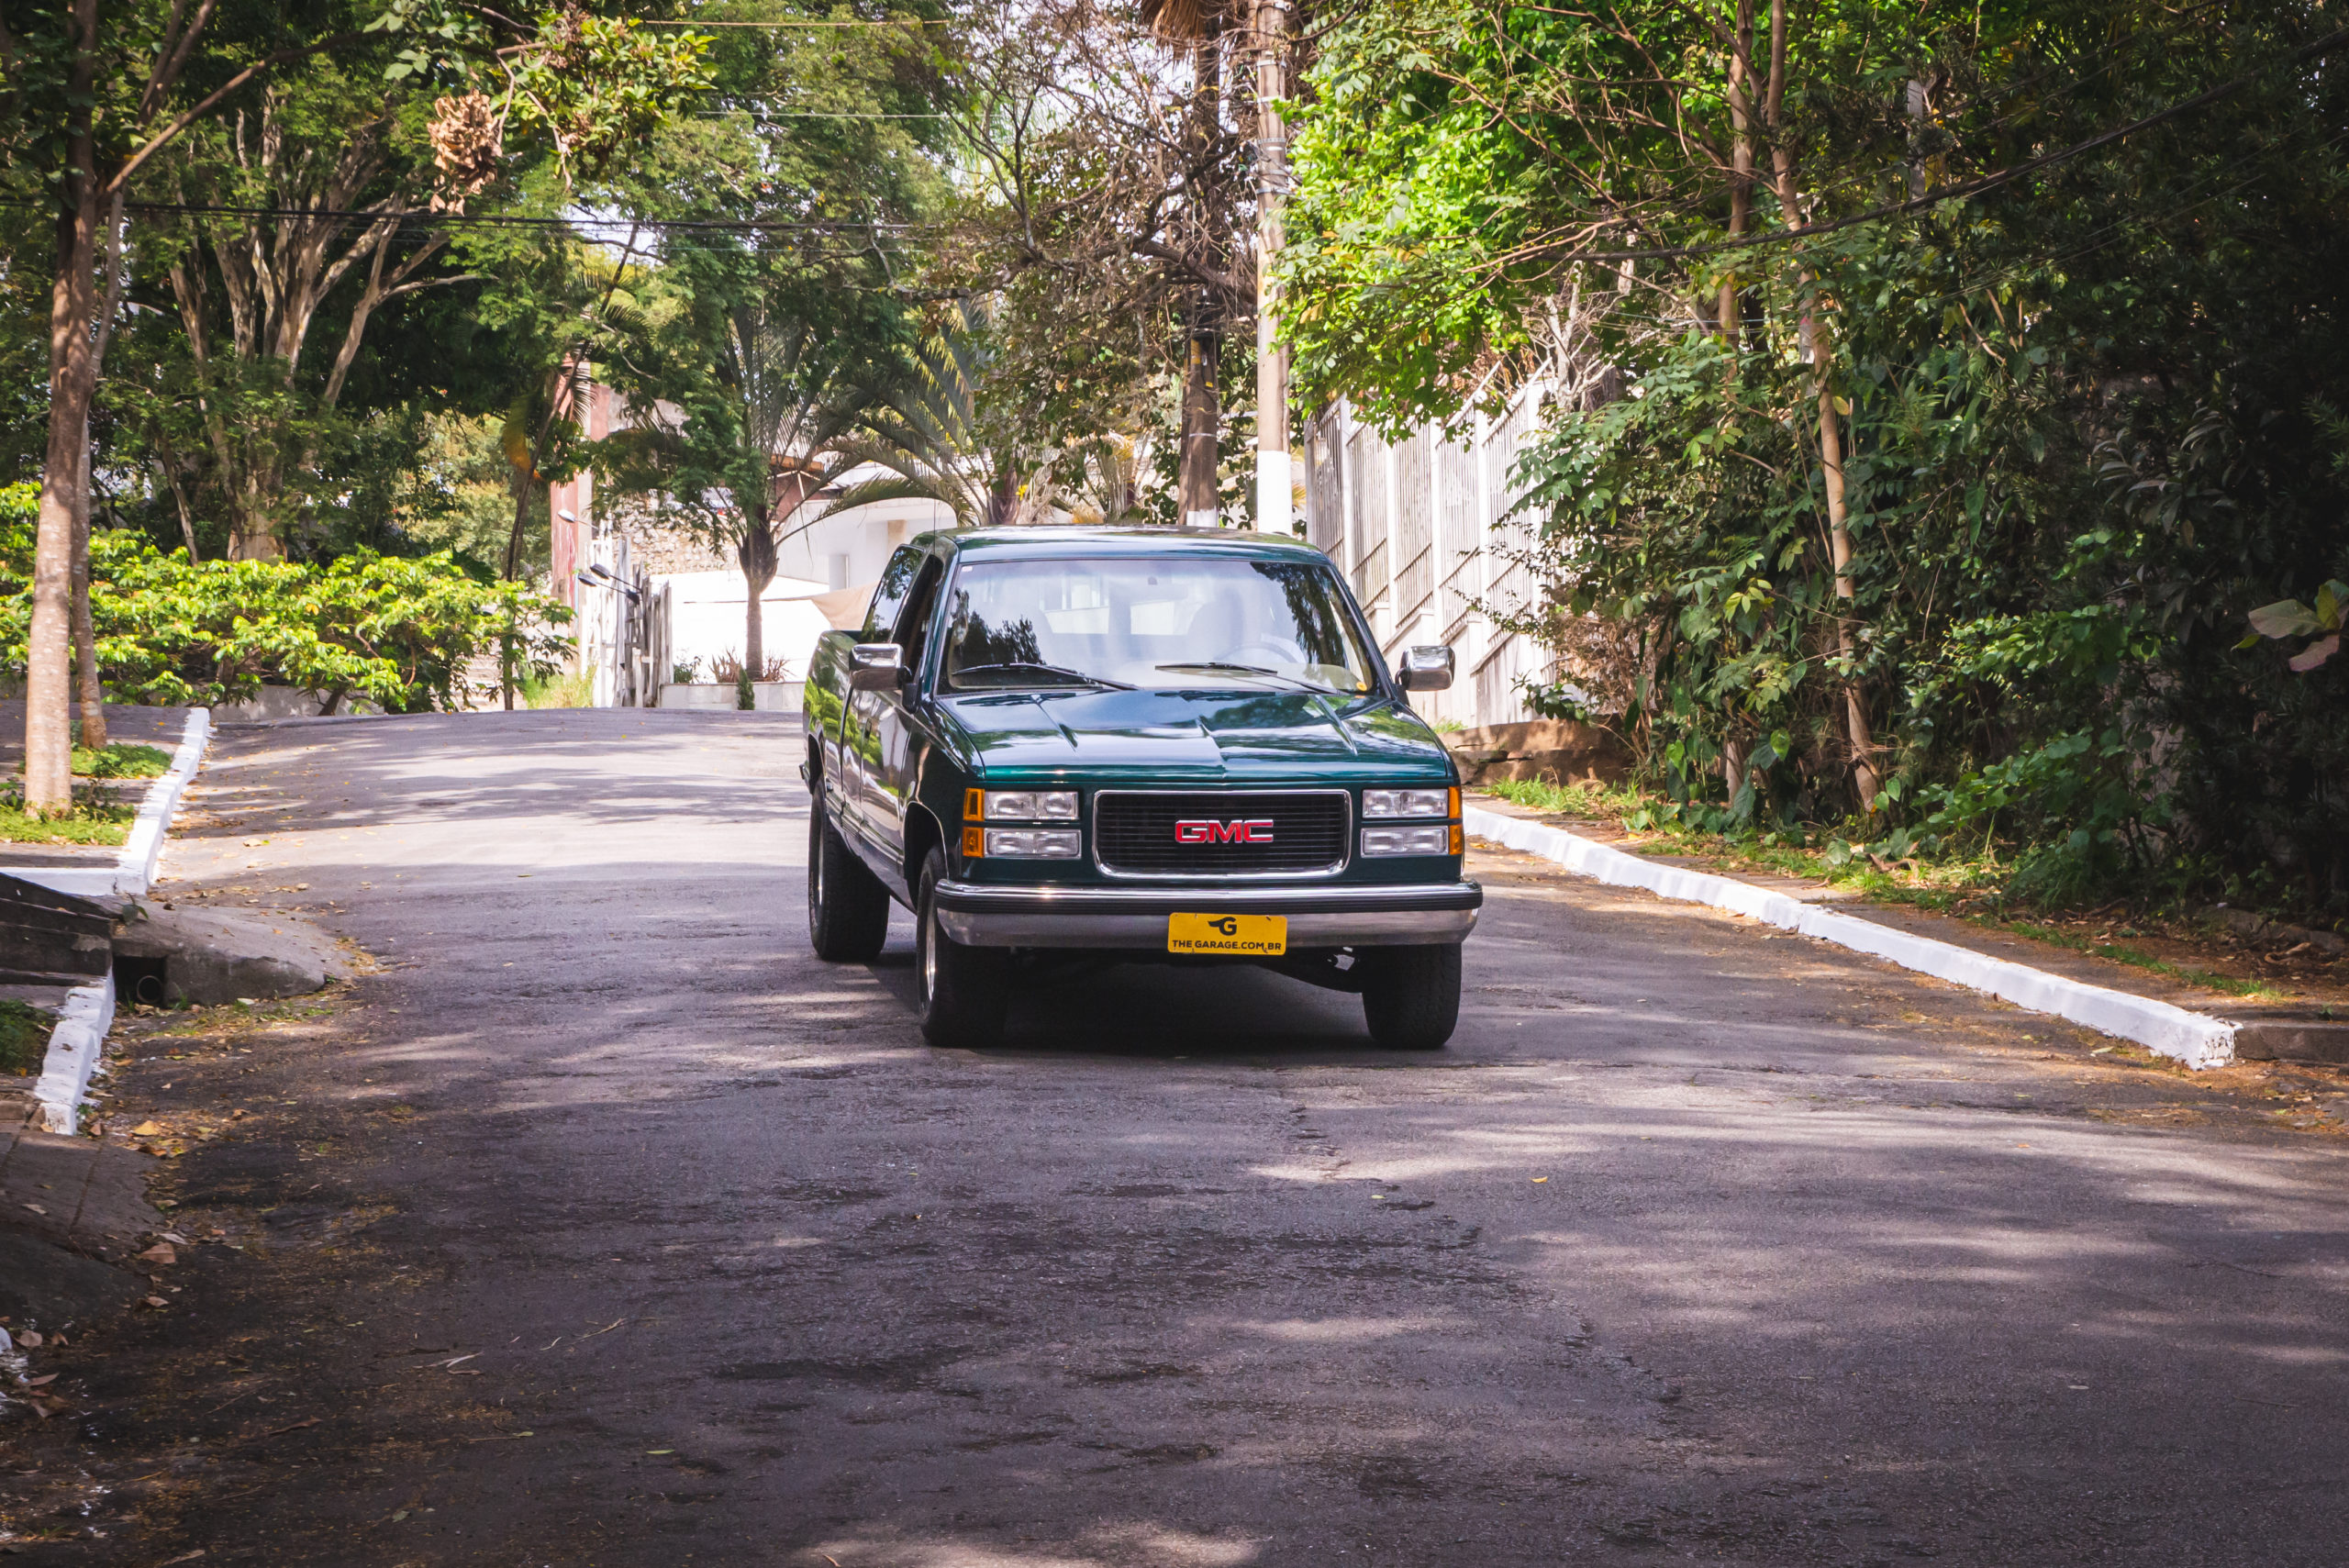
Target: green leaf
{"points": [[2285, 617]]}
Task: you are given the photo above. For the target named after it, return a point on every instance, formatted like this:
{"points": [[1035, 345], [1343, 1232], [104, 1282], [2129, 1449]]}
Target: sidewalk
{"points": [[2267, 1028]]}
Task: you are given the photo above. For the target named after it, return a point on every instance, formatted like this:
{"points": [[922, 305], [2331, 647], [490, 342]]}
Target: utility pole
{"points": [[1275, 503], [1195, 491]]}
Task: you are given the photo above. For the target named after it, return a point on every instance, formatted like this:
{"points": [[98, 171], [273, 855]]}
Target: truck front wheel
{"points": [[962, 998], [848, 909], [1411, 997]]}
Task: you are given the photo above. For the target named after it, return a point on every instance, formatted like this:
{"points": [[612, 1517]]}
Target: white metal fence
{"points": [[1423, 531]]}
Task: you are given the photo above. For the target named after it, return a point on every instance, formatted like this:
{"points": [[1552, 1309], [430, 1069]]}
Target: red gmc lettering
{"points": [[1259, 831]]}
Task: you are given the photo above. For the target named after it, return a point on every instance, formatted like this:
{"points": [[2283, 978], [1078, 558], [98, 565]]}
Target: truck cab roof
{"points": [[1048, 540]]}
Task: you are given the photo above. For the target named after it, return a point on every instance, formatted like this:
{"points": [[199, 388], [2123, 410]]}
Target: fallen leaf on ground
{"points": [[160, 1253], [157, 1301], [297, 1427], [30, 1338], [36, 1209], [175, 1238], [149, 1129]]}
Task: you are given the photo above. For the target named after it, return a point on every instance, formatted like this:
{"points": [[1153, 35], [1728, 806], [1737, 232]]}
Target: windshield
{"points": [[1168, 621]]}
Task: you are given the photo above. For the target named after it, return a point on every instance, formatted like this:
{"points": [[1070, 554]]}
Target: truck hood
{"points": [[1199, 734]]}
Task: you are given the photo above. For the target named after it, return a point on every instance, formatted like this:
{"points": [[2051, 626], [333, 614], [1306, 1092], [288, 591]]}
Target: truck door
{"points": [[897, 738], [854, 756]]}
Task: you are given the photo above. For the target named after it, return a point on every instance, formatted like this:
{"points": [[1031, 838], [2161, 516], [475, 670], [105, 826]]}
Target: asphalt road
{"points": [[1697, 1243]]}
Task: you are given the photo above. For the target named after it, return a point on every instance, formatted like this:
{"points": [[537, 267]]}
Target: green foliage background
{"points": [[398, 632], [2090, 416]]}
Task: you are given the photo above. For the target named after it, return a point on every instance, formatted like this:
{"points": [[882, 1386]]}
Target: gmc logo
{"points": [[1256, 832]]}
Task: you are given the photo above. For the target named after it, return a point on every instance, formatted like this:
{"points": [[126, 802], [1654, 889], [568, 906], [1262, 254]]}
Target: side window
{"points": [[889, 595], [913, 626]]}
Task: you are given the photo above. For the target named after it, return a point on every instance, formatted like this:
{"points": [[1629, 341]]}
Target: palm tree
{"points": [[743, 406], [921, 427]]}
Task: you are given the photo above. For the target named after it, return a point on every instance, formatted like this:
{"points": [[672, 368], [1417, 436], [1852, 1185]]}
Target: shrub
{"points": [[398, 632]]}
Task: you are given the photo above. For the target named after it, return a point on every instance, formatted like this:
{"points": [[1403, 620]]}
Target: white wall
{"points": [[852, 546], [844, 549], [707, 611]]}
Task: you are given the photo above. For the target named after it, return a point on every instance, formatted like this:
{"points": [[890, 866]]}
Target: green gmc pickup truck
{"points": [[1060, 744]]}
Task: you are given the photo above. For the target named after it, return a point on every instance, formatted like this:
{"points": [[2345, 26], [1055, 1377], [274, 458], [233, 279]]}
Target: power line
{"points": [[892, 22], [424, 218], [816, 114]]}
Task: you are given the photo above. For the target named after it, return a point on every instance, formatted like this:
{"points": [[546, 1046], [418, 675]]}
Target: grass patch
{"points": [[2139, 959], [122, 759], [1970, 888], [1574, 799], [24, 1036], [557, 691], [97, 818]]}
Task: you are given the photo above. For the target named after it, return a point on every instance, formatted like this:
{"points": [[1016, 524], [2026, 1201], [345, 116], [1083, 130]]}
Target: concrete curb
{"points": [[134, 866], [76, 1045], [74, 1049], [2193, 1039]]}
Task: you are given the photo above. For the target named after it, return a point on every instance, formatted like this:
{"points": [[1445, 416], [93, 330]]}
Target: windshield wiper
{"points": [[1042, 670], [1249, 670]]}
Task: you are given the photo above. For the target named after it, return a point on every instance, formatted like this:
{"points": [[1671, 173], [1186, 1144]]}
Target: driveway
{"points": [[1699, 1241]]}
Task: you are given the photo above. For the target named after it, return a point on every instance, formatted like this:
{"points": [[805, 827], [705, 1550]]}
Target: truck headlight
{"points": [[1034, 843], [1410, 803], [1435, 840], [1020, 806]]}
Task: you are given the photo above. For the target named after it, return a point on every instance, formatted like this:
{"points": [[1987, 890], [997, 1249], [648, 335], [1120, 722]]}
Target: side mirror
{"points": [[876, 667], [1426, 669]]}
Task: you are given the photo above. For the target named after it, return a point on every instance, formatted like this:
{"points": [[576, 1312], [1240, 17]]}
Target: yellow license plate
{"points": [[1248, 936]]}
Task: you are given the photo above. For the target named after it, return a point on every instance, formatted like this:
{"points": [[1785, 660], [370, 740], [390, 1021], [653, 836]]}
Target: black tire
{"points": [[1410, 997], [848, 909], [961, 988]]}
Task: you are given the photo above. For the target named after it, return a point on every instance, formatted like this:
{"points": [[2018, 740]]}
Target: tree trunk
{"points": [[85, 637], [1839, 539], [179, 499], [1741, 182], [73, 377], [255, 531], [1202, 417], [1275, 497], [757, 555], [1865, 782], [86, 641]]}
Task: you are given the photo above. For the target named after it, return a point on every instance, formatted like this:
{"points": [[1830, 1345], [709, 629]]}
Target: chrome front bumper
{"points": [[981, 915]]}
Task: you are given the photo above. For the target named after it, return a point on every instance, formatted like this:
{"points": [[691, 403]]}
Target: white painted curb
{"points": [[80, 1037], [2194, 1038], [134, 866], [144, 846], [74, 1048]]}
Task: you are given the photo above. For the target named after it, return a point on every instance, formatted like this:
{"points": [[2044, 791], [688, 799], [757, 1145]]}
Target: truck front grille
{"points": [[1217, 833]]}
